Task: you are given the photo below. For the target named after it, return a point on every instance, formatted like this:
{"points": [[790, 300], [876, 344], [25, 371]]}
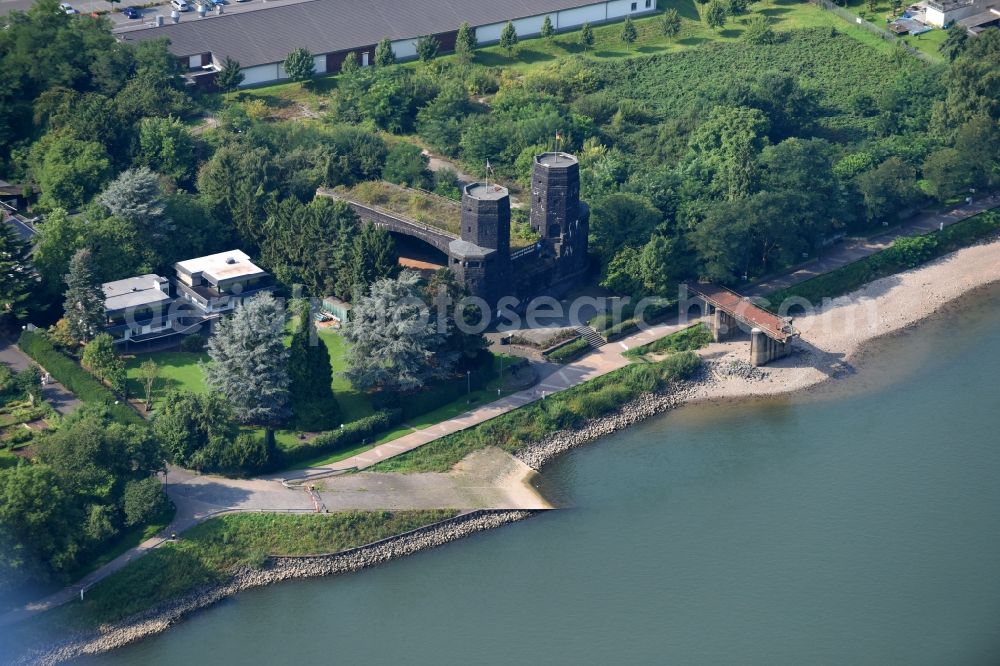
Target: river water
{"points": [[857, 525]]}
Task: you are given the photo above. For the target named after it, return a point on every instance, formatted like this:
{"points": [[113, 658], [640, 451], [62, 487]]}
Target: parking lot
{"points": [[149, 14]]}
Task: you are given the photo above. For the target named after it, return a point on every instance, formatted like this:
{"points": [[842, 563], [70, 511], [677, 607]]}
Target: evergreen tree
{"points": [[715, 14], [374, 257], [384, 55], [136, 197], [393, 342], [311, 375], [16, 280], [629, 33], [444, 293], [427, 48], [84, 304], [351, 64], [230, 76], [547, 31], [300, 65], [670, 24], [248, 362], [465, 42], [508, 39], [587, 36]]}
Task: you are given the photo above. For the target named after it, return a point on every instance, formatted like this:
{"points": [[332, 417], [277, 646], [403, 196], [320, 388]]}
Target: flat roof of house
{"points": [[134, 292], [221, 266], [326, 26]]}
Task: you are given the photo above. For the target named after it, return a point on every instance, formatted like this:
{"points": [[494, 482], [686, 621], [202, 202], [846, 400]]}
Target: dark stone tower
{"points": [[557, 214], [481, 258]]}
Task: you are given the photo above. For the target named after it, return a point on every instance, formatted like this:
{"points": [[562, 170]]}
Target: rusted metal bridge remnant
{"points": [[770, 336]]}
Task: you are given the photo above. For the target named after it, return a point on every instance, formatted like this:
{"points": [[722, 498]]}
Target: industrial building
{"points": [[330, 29]]}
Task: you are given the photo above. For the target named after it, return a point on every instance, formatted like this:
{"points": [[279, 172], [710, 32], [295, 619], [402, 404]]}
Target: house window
{"points": [[635, 5], [649, 3]]}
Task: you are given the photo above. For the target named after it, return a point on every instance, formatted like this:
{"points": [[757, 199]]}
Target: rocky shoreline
{"points": [[149, 623]]}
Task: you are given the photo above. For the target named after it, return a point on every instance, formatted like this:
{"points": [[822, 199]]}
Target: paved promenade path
{"points": [[54, 393], [855, 250], [488, 479]]}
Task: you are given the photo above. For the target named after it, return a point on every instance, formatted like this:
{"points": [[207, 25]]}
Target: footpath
{"points": [[54, 393], [855, 250]]}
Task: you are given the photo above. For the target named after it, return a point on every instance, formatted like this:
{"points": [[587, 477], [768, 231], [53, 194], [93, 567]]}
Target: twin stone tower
{"points": [[482, 258]]}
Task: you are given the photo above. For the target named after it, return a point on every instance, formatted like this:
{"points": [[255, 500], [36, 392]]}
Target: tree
{"points": [[69, 171], [465, 42], [406, 165], [738, 7], [888, 189], [384, 55], [16, 276], [248, 362], [427, 48], [620, 220], [143, 500], [716, 13], [135, 196], [37, 512], [896, 6], [670, 23], [99, 355], [955, 42], [587, 36], [311, 375], [29, 382], [723, 150], [374, 256], [508, 39], [547, 31], [149, 372], [393, 342], [623, 274], [167, 147], [629, 33], [351, 65], [948, 173], [300, 65], [230, 76], [187, 424], [758, 30], [84, 303], [978, 141]]}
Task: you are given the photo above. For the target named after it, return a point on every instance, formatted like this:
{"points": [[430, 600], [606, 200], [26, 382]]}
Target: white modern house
{"points": [[330, 29], [137, 307], [217, 283]]}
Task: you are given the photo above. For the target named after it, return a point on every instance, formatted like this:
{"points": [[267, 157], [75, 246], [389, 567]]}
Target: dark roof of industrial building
{"points": [[325, 26]]}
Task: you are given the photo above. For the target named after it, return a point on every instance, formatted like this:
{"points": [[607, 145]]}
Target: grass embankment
{"points": [[691, 338], [566, 409], [905, 253], [78, 381], [207, 554]]}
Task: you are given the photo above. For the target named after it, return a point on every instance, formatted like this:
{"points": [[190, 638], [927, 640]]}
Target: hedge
{"points": [[350, 435], [78, 381], [569, 352]]}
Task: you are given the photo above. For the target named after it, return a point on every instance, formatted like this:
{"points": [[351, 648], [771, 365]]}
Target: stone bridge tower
{"points": [[557, 214], [481, 257]]}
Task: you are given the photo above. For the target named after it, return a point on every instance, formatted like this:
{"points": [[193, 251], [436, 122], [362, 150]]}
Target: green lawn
{"points": [[207, 553], [178, 370], [353, 403]]}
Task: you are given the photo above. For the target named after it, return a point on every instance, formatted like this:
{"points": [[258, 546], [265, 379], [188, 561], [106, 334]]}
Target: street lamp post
{"points": [[468, 386]]}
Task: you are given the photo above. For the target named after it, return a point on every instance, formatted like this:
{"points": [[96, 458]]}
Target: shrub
{"points": [[77, 380], [193, 343], [569, 352], [351, 434]]}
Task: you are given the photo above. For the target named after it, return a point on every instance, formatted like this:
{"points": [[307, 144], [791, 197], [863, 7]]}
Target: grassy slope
{"points": [[207, 553]]}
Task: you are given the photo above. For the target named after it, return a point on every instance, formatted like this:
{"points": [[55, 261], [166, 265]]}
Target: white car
{"points": [[67, 8], [180, 5]]}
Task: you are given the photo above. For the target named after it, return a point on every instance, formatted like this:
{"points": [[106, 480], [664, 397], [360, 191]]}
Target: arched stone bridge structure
{"points": [[437, 238]]}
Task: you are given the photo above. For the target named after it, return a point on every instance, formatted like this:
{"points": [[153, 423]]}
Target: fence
{"points": [[871, 27]]}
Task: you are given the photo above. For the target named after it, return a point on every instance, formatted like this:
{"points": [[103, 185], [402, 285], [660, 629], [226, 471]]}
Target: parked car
{"points": [[132, 13], [180, 5], [67, 8]]}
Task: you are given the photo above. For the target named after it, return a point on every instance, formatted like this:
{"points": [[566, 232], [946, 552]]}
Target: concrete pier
{"points": [[764, 349]]}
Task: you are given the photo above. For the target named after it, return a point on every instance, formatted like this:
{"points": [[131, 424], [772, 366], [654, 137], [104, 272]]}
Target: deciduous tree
{"points": [[384, 55], [716, 14], [629, 34], [508, 39], [670, 23], [300, 65], [587, 36], [465, 42], [230, 76], [427, 48]]}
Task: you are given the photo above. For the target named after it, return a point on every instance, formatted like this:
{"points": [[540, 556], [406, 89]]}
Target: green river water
{"points": [[859, 524]]}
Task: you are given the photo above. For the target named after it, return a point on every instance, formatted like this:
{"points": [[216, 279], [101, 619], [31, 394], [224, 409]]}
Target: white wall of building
{"points": [[260, 74], [320, 61], [574, 18], [405, 49]]}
